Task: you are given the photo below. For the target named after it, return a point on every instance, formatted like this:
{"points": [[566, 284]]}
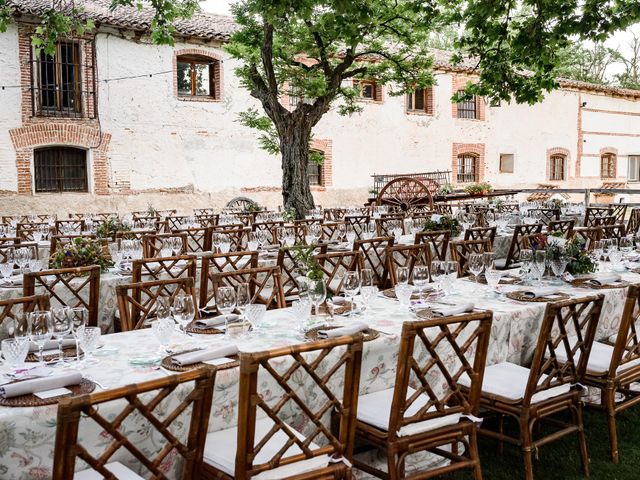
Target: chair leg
{"points": [[611, 417], [392, 464], [527, 447], [501, 431], [474, 454], [582, 439]]}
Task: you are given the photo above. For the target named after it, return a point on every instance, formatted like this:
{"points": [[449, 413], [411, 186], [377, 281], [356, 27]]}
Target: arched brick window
{"points": [[468, 168], [557, 166], [608, 165], [314, 168], [198, 75]]}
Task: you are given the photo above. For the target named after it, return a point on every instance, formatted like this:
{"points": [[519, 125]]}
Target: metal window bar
{"points": [[466, 169], [315, 174], [468, 108], [60, 169], [64, 85]]}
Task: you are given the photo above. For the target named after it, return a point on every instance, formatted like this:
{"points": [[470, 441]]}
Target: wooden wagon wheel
{"points": [[406, 193], [240, 203]]}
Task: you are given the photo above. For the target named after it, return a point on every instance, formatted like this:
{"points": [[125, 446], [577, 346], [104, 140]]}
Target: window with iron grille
{"points": [[557, 167], [196, 76], [57, 81], [60, 169], [468, 108], [608, 166], [420, 101], [467, 168], [314, 169]]}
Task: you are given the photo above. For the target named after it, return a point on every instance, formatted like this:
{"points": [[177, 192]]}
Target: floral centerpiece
{"points": [[305, 261], [81, 252], [442, 222], [289, 214], [478, 188], [572, 249], [110, 227]]}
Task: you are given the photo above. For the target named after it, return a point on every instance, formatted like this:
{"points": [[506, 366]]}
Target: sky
{"points": [[620, 40]]}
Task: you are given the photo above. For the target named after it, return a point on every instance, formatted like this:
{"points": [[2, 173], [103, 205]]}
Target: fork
{"points": [[101, 385]]}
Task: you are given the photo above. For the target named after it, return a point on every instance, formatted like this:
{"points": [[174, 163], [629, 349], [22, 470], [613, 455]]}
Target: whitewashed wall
{"points": [[10, 103]]}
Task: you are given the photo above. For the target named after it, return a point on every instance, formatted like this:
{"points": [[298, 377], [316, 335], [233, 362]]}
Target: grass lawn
{"points": [[561, 459]]}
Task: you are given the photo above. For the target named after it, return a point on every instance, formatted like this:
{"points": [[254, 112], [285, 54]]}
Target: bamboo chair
{"points": [[481, 233], [614, 231], [406, 256], [335, 264], [593, 213], [330, 230], [564, 226], [549, 386], [374, 256], [152, 243], [68, 287], [238, 237], [197, 238], [517, 244], [426, 408], [204, 211], [265, 284], [461, 249], [619, 211], [357, 222], [612, 369], [9, 241], [384, 225], [443, 208], [222, 262], [96, 216], [175, 223], [163, 268], [207, 220], [33, 246], [547, 214], [334, 214], [290, 268], [633, 224], [269, 227], [13, 309], [64, 227], [264, 442], [603, 221], [25, 231], [509, 208], [133, 235], [438, 241], [146, 401], [138, 301], [589, 235]]}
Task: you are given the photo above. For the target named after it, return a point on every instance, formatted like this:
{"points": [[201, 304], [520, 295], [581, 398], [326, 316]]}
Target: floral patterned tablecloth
{"points": [[27, 434]]}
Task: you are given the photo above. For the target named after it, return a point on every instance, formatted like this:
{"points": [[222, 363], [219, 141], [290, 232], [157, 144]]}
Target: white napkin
{"points": [[348, 330], [338, 300], [605, 279], [204, 355], [53, 344], [216, 321], [540, 292], [453, 310], [40, 384]]}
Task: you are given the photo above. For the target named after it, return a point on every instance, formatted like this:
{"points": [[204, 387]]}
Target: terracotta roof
{"points": [[202, 25]]}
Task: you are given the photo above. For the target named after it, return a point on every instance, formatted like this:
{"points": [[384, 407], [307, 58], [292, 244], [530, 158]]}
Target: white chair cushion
{"points": [[599, 358], [509, 381], [375, 409], [220, 452], [119, 470]]}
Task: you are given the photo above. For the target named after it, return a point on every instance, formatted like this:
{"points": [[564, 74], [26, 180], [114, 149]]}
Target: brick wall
{"points": [[40, 131], [476, 149]]}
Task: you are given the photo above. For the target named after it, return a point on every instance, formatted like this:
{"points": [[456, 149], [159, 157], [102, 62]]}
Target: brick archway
{"points": [[26, 139]]}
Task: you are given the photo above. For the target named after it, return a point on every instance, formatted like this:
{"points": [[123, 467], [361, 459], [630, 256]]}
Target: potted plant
{"points": [[110, 227], [478, 188]]}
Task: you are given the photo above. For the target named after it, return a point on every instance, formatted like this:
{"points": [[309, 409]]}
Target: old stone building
{"points": [[115, 122]]}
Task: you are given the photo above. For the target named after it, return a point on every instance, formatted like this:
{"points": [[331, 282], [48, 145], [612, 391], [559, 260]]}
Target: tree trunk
{"points": [[294, 145]]}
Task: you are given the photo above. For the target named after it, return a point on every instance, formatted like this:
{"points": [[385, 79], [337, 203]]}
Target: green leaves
{"points": [[5, 15], [57, 25]]}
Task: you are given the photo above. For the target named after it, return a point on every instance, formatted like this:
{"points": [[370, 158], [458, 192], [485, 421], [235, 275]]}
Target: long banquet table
{"points": [[27, 433]]}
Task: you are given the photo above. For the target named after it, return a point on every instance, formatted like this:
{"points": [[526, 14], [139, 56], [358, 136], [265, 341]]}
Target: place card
{"points": [[219, 361], [56, 392]]}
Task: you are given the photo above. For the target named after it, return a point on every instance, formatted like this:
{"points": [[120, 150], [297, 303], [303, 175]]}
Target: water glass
{"points": [[404, 291], [317, 293], [163, 329], [539, 264], [493, 277], [14, 352], [421, 278], [61, 327], [89, 338], [79, 317], [476, 264], [368, 289], [302, 312], [254, 314], [41, 329]]}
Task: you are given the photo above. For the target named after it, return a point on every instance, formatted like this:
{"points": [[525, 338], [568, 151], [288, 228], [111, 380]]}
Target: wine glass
{"points": [[216, 239], [61, 327], [89, 338], [243, 297], [226, 302], [176, 244], [438, 272], [402, 275], [368, 289], [350, 234], [166, 249], [351, 287], [476, 265], [261, 236], [625, 245], [225, 244], [421, 278], [41, 329], [79, 317], [183, 310], [317, 293], [253, 243]]}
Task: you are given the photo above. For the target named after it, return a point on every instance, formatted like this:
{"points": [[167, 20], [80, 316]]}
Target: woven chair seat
{"points": [[375, 409], [220, 452]]}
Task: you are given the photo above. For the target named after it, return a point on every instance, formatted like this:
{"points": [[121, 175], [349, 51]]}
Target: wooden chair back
{"points": [[568, 326], [204, 211], [330, 230], [335, 264], [593, 215], [406, 256], [334, 214], [25, 231], [357, 222], [12, 311], [133, 234], [547, 214], [4, 249], [160, 268], [222, 262], [269, 227], [438, 241], [65, 227], [238, 237], [138, 301], [265, 285], [374, 256], [175, 222], [434, 354], [509, 207], [589, 235], [207, 220], [461, 249], [139, 405], [386, 224], [290, 267], [564, 226], [481, 233], [332, 373], [619, 211], [614, 231], [517, 241], [627, 346], [198, 239], [633, 223], [443, 208], [68, 287], [152, 243], [9, 241]]}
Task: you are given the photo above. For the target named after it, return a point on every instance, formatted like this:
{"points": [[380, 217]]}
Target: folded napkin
{"points": [[605, 279], [453, 310], [40, 384], [540, 292], [216, 321], [204, 355], [348, 330], [53, 344], [338, 300]]}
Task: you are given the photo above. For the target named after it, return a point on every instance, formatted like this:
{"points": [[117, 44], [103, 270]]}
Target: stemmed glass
{"points": [[539, 264], [350, 234], [243, 298], [89, 338], [476, 265], [626, 245], [351, 287], [226, 303], [216, 239], [166, 249], [61, 326], [252, 243], [368, 289], [183, 310], [558, 266], [41, 329], [402, 275], [261, 236], [317, 293], [438, 273], [421, 278], [78, 317]]}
